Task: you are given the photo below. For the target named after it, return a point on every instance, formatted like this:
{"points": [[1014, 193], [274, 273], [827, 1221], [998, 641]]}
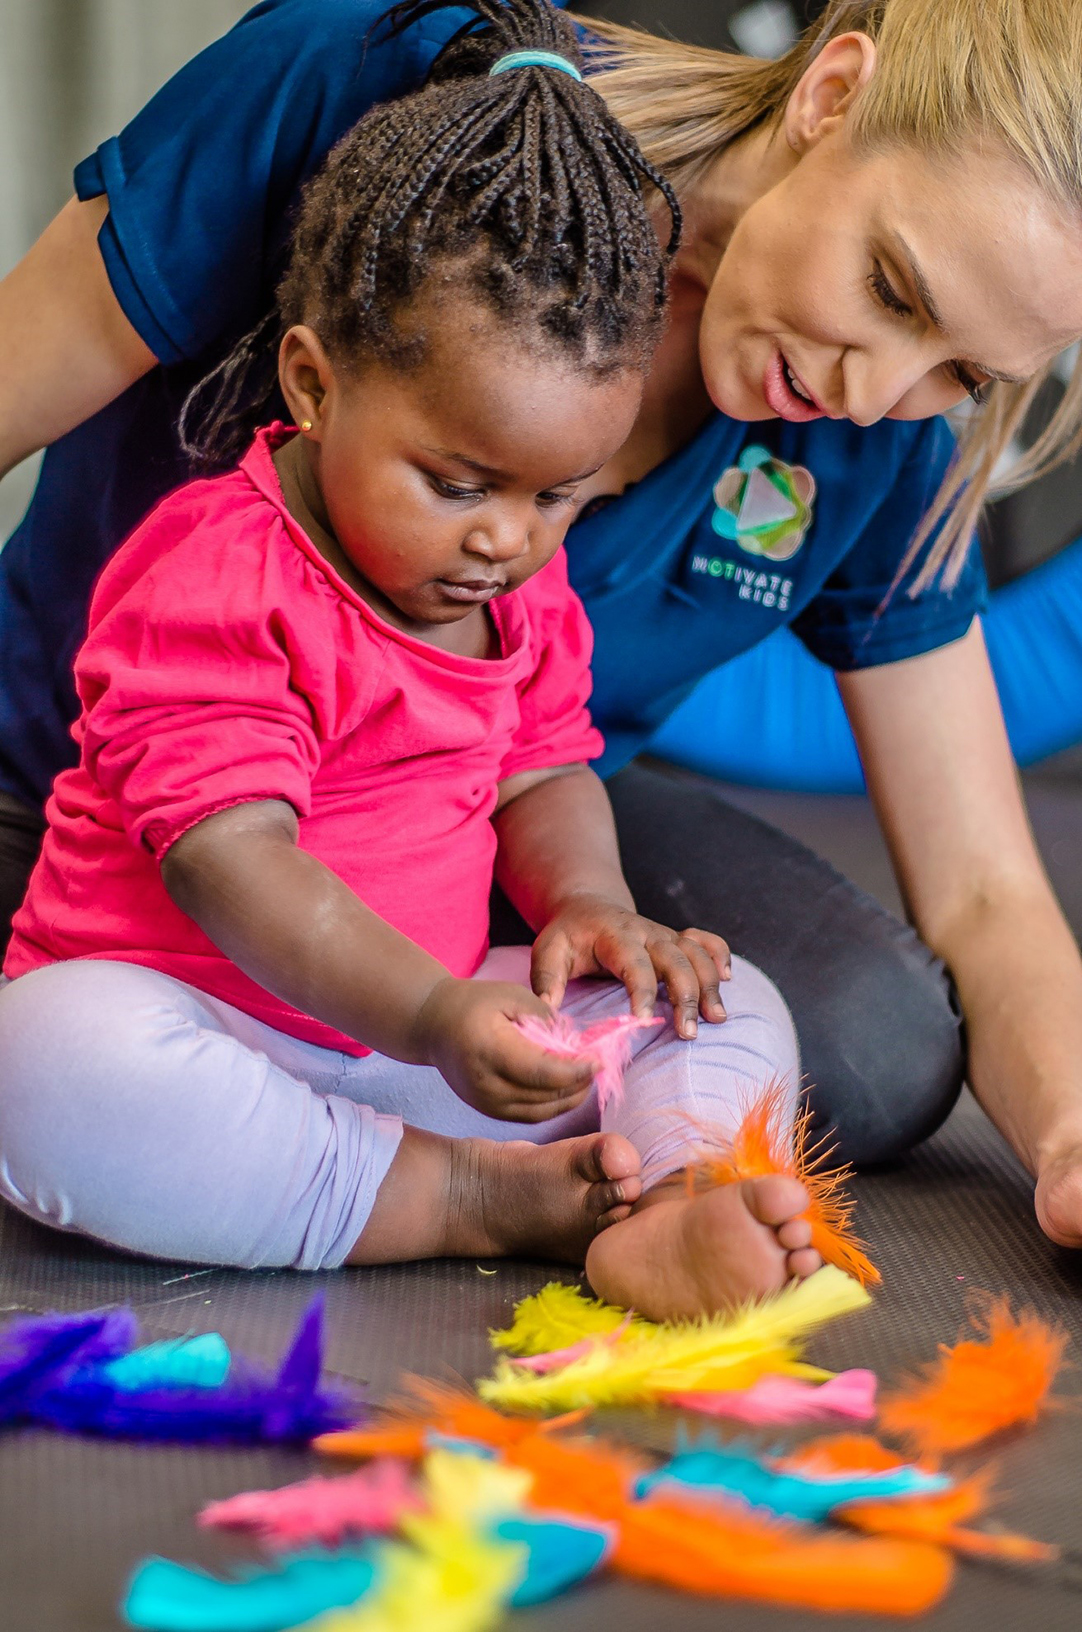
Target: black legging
{"points": [[880, 1030]]}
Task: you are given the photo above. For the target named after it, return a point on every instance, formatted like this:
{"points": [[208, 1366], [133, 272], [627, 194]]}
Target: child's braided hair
{"points": [[522, 181]]}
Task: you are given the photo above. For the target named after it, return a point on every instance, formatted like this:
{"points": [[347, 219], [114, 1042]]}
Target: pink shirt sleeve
{"points": [[555, 726], [188, 678]]}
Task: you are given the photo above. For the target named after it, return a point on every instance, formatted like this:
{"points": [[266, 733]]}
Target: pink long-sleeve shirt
{"points": [[227, 661]]}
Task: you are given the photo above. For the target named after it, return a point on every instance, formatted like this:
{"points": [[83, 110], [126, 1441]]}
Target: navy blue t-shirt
{"points": [[200, 187]]}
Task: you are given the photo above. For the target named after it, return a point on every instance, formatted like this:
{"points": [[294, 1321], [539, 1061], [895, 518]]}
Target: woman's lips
{"points": [[781, 398]]}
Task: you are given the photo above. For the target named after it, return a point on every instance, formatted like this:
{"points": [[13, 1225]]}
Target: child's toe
{"points": [[803, 1263], [774, 1200], [794, 1234]]}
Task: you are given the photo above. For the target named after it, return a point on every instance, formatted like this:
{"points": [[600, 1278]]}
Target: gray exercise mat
{"points": [[77, 1514]]}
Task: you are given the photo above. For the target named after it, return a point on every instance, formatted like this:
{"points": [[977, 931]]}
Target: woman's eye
{"points": [[886, 294], [451, 490], [977, 390]]}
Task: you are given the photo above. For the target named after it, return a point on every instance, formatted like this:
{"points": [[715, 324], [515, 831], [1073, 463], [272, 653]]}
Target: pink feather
{"points": [[322, 1511], [555, 1358], [608, 1042], [779, 1401]]}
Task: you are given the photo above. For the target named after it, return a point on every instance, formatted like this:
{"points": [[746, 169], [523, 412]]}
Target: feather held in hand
{"points": [[993, 1380], [765, 1143], [607, 1042], [724, 1351]]}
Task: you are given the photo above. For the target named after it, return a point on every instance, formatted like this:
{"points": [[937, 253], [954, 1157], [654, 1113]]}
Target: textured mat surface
{"points": [[75, 1515]]}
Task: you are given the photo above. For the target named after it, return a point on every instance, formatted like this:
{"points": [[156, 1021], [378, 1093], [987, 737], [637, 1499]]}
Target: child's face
{"points": [[451, 483]]}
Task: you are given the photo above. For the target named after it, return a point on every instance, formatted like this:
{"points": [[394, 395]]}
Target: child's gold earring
{"points": [[306, 424]]}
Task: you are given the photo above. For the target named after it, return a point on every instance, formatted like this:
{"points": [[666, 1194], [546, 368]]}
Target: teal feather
{"points": [[796, 1496], [179, 1362], [560, 1554], [168, 1597]]}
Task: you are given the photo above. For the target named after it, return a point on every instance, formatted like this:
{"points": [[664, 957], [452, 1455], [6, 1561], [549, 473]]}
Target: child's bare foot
{"points": [[479, 1198], [678, 1256]]}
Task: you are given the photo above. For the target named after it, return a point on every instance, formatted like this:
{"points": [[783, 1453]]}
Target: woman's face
{"points": [[887, 286]]}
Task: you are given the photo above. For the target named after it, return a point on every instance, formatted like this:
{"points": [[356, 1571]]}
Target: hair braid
{"points": [[523, 180]]}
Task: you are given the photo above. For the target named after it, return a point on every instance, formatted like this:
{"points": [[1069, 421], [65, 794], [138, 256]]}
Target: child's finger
{"points": [[551, 966], [536, 1110], [529, 1066], [681, 979], [711, 1006], [630, 962], [716, 949]]}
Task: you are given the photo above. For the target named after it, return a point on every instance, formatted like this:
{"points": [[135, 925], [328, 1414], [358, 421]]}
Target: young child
{"points": [[250, 1018]]}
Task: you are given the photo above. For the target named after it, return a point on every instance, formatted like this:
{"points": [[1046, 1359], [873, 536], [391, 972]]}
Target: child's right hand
{"points": [[465, 1029]]}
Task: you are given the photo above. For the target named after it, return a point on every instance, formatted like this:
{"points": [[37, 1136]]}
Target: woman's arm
{"points": [[68, 348], [939, 770]]}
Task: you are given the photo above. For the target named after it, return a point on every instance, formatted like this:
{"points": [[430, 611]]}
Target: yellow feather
{"points": [[723, 1352], [452, 1579], [558, 1316], [473, 1489]]}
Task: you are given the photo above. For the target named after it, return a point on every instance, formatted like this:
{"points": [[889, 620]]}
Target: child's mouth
{"points": [[470, 591]]}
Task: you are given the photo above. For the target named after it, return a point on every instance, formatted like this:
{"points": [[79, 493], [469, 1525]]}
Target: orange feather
{"points": [[938, 1519], [997, 1378], [765, 1143], [841, 1453], [425, 1407]]}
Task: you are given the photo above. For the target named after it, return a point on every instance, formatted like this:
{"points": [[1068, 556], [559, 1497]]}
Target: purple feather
{"points": [[35, 1354], [251, 1406]]}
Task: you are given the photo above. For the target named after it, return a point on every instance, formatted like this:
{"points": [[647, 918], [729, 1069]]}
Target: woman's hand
{"points": [[590, 935], [465, 1028]]}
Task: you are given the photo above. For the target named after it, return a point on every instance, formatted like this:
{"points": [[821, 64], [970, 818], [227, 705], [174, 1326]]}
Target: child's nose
{"points": [[504, 538]]}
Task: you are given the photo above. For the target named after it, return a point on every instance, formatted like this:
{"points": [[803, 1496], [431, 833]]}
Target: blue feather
{"points": [[170, 1597], [35, 1352], [53, 1376], [561, 1553], [797, 1496]]}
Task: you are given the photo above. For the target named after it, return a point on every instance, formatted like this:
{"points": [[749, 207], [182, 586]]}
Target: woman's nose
{"points": [[877, 380]]}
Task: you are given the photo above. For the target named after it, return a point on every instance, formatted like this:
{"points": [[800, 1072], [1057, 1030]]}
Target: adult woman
{"points": [[854, 260]]}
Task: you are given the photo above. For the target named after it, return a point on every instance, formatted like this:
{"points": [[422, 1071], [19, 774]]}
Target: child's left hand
{"points": [[592, 936]]}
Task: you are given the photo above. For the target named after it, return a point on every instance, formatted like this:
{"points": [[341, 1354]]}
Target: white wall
{"points": [[71, 73]]}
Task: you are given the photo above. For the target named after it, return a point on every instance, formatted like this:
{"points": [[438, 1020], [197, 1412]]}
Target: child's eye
{"points": [[451, 490], [549, 501], [886, 294]]}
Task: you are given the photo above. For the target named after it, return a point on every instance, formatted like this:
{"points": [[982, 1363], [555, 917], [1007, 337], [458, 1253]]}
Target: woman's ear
{"points": [[828, 89], [306, 378]]}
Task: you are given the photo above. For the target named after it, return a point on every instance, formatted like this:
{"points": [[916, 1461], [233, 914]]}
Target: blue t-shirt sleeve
{"points": [[857, 621], [201, 183]]}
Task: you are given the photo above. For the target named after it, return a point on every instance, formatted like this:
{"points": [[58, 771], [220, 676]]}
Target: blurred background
{"points": [[73, 71]]}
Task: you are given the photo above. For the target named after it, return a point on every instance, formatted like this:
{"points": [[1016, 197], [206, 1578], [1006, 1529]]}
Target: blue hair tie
{"points": [[534, 59]]}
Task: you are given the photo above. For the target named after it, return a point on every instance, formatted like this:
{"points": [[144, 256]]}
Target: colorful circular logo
{"points": [[764, 505]]}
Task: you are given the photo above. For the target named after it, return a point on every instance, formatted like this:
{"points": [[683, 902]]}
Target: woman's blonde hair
{"points": [[949, 72]]}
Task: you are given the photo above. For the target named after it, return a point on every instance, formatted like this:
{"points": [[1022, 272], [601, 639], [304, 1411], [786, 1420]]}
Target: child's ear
{"points": [[306, 377]]}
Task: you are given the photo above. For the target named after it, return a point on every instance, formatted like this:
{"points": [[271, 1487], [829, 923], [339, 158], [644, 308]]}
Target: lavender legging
{"points": [[139, 1111]]}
